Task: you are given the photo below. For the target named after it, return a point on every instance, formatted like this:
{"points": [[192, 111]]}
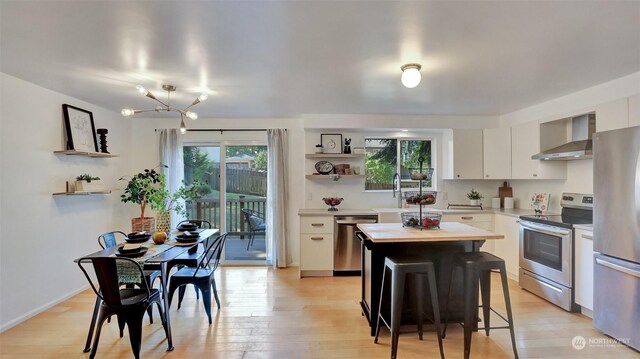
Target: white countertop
{"points": [[586, 227], [448, 231], [515, 212]]}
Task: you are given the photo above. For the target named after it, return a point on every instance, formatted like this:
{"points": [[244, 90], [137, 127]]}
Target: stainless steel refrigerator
{"points": [[616, 234]]}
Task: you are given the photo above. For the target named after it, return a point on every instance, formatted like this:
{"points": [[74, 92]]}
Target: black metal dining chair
{"points": [[255, 221], [201, 275], [129, 304], [108, 240], [191, 258]]}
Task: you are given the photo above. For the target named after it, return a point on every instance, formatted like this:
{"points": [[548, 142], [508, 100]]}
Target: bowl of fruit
{"points": [[424, 198], [333, 202], [428, 220], [417, 174]]}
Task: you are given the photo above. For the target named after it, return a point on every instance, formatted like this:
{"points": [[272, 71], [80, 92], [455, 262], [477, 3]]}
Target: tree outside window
{"points": [[381, 162]]}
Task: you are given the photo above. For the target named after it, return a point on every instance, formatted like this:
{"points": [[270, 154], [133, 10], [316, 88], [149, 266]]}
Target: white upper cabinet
{"points": [[525, 142], [634, 110], [467, 154], [497, 153], [612, 115]]}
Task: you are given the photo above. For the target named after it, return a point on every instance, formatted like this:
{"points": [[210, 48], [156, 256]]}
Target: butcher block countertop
{"points": [[449, 231]]}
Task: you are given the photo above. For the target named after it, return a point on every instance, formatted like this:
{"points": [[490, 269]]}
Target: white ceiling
{"points": [[284, 58]]}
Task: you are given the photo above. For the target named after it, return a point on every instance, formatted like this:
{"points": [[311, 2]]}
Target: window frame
{"points": [[434, 164]]}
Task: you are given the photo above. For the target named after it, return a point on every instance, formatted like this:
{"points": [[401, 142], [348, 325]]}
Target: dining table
{"points": [[161, 256]]}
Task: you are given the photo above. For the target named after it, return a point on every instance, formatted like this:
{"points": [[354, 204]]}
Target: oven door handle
{"points": [[544, 229]]}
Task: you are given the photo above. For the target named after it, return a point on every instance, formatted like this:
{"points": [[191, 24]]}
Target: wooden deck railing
{"points": [[209, 209]]}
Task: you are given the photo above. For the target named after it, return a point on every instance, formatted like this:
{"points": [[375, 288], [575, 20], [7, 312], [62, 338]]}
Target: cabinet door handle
{"points": [[317, 238], [458, 176], [586, 236], [535, 175], [469, 218], [486, 176], [317, 224]]}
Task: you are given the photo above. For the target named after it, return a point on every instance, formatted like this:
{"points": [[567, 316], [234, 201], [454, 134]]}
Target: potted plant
{"points": [[88, 183], [176, 201], [144, 189], [474, 197]]}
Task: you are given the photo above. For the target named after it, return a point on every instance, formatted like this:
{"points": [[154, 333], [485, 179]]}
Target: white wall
{"points": [[41, 235]]}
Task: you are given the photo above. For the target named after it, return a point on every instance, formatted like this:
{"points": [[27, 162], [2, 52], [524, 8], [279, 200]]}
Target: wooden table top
{"points": [[449, 231]]}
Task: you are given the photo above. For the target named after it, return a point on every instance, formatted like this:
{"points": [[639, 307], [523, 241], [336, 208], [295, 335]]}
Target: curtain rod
{"points": [[221, 130]]}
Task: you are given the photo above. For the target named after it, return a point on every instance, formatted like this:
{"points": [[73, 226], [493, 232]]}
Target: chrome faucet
{"points": [[396, 179]]}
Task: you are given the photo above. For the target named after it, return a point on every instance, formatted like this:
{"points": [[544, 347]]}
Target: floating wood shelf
{"points": [[80, 193], [334, 155], [86, 154], [330, 177]]}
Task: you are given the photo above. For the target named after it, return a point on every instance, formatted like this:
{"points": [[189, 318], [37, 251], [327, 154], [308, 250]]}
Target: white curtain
{"points": [[171, 156], [277, 199]]}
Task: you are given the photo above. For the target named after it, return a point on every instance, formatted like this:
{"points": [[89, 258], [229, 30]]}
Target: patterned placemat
{"points": [[129, 273]]}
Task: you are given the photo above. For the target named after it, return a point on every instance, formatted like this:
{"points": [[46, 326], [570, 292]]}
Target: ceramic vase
{"points": [[163, 222]]}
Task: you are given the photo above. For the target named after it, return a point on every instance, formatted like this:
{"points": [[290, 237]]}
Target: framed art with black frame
{"points": [[331, 142], [80, 130]]}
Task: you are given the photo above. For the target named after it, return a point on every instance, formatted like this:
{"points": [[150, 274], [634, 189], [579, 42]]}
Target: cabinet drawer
{"points": [[322, 224], [316, 252], [468, 217]]}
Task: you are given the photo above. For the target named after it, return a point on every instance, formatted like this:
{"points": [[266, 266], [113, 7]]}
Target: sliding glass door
{"points": [[234, 187]]}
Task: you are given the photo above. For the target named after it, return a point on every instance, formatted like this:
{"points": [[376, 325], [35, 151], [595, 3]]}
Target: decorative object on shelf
{"points": [[347, 146], [331, 142], [88, 183], [335, 177], [411, 75], [540, 202], [103, 139], [425, 220], [166, 107], [324, 167], [342, 168], [332, 201], [474, 197], [318, 148], [80, 130], [356, 170], [358, 150]]}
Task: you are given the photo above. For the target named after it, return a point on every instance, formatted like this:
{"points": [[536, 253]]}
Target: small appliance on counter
{"points": [[547, 247]]}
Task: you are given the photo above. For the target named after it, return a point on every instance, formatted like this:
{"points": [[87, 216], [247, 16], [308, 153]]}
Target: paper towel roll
{"points": [[508, 202], [495, 202]]}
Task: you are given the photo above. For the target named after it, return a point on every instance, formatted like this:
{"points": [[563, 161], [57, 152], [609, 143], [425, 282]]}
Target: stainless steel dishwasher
{"points": [[346, 246]]}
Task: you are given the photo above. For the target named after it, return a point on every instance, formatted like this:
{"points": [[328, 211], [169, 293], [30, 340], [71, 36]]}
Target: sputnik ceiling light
{"points": [[410, 75], [166, 107]]}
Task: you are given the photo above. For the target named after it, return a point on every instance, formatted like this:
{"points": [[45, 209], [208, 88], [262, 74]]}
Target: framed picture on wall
{"points": [[80, 130], [331, 142]]}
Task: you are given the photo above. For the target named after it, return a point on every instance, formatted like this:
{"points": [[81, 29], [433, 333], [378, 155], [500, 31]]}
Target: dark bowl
{"points": [[131, 250], [139, 253], [187, 227], [138, 239]]}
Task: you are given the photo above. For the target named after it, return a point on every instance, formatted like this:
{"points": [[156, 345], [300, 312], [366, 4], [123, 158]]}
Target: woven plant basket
{"points": [[143, 224]]}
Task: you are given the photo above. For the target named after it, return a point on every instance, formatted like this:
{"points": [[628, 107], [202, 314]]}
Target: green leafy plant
{"points": [[87, 177], [145, 188], [474, 195], [178, 200]]}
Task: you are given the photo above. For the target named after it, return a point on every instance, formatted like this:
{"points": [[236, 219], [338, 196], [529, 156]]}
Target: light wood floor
{"points": [[269, 313]]}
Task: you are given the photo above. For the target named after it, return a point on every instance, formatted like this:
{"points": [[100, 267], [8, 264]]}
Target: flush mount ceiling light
{"points": [[166, 107], [411, 75]]}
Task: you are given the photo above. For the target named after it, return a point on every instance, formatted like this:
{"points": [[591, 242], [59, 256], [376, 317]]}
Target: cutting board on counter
{"points": [[504, 191]]}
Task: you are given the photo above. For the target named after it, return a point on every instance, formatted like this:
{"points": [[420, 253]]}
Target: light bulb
{"points": [[192, 115], [203, 97], [183, 128], [127, 111], [142, 90], [410, 75]]}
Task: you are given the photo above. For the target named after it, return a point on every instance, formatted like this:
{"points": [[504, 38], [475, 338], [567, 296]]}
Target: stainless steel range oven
{"points": [[547, 247]]}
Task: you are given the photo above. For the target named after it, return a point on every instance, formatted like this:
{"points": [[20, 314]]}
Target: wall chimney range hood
{"points": [[581, 145]]}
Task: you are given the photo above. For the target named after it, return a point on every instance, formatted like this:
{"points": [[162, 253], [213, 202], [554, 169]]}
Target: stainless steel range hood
{"points": [[580, 147]]}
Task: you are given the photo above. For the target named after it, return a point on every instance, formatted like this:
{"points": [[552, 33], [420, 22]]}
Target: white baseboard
{"points": [[13, 323]]}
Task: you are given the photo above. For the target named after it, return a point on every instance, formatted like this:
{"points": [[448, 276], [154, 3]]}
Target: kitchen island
{"points": [[439, 245]]}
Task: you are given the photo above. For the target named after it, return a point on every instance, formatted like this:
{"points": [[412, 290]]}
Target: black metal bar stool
{"points": [[422, 269], [477, 268]]}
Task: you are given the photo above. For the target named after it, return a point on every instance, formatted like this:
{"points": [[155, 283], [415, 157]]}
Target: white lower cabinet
{"points": [[583, 286], [479, 220], [508, 248], [316, 246]]}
